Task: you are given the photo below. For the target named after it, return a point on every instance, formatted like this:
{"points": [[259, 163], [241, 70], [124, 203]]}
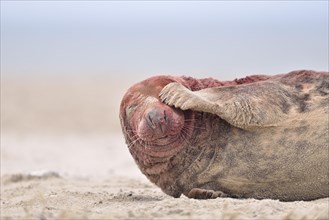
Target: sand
{"points": [[53, 197], [63, 157]]}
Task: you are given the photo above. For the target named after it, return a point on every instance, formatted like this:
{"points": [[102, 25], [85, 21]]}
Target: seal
{"points": [[262, 137]]}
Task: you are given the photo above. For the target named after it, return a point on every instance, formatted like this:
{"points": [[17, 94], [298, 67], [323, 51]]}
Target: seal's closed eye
{"points": [[130, 109]]}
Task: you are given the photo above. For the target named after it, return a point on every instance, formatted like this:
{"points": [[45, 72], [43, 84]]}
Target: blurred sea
{"points": [[65, 66]]}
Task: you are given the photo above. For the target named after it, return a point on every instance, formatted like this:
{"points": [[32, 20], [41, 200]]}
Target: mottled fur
{"points": [[256, 137]]}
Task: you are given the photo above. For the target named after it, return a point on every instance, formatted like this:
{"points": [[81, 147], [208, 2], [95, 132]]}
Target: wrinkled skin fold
{"points": [[263, 137]]}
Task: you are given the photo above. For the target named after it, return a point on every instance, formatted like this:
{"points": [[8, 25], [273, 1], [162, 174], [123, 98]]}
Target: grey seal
{"points": [[263, 137]]}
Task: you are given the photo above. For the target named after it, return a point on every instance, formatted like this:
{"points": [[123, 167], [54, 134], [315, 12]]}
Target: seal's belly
{"points": [[287, 163]]}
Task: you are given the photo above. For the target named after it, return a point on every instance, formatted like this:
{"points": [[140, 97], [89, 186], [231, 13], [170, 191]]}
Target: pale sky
{"points": [[124, 38]]}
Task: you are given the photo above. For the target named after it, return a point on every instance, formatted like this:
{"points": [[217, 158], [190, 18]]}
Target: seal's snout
{"points": [[160, 124], [157, 119]]}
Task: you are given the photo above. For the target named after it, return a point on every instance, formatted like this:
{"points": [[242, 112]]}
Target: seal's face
{"points": [[158, 124], [153, 130]]}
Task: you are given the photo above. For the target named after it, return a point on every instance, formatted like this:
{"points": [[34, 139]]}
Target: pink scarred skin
{"points": [[152, 144], [206, 138]]}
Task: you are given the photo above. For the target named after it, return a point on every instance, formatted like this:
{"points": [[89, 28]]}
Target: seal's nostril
{"points": [[149, 119], [156, 118], [164, 115]]}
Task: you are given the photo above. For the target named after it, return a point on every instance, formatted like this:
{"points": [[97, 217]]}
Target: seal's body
{"points": [[256, 137]]}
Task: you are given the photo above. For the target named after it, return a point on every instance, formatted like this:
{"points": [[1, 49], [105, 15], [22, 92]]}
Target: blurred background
{"points": [[66, 65]]}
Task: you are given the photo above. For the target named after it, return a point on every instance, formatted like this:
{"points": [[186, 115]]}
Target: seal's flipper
{"points": [[198, 193], [259, 104]]}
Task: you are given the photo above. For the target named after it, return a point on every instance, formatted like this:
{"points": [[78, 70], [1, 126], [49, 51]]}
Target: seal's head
{"points": [[154, 131]]}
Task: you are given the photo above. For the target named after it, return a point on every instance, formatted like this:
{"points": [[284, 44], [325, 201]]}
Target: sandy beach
{"points": [[63, 157], [53, 197]]}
